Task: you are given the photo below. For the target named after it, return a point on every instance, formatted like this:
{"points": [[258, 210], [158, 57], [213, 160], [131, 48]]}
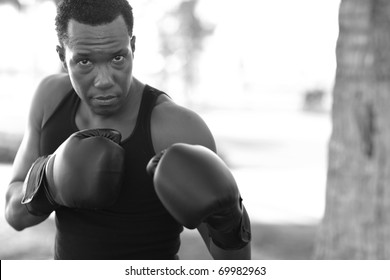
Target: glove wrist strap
{"points": [[234, 239], [36, 196]]}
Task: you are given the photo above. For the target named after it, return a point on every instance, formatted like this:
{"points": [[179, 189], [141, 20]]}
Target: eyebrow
{"points": [[87, 53], [121, 51]]}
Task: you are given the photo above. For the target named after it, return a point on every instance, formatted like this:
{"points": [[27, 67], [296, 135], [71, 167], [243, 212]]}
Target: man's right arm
{"points": [[16, 213]]}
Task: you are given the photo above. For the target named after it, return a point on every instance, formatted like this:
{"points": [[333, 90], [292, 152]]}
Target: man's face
{"points": [[99, 61]]}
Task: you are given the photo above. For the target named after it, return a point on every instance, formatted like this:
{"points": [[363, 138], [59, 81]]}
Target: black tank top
{"points": [[137, 226]]}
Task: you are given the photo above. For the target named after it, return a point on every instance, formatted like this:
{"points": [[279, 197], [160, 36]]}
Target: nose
{"points": [[103, 79]]}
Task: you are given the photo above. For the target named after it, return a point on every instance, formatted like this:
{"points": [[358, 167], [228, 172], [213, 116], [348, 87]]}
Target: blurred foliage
{"points": [[313, 100], [15, 3], [182, 34], [23, 4]]}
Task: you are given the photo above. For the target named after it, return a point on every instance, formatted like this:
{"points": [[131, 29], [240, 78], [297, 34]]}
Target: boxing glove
{"points": [[196, 186], [84, 172]]}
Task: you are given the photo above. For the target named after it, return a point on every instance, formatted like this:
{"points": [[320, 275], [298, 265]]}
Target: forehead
{"points": [[105, 36]]}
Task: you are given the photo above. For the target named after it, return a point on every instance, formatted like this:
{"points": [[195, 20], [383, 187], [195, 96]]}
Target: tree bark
{"points": [[356, 223]]}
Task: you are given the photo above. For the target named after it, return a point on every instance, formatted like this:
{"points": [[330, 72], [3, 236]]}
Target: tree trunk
{"points": [[356, 224]]}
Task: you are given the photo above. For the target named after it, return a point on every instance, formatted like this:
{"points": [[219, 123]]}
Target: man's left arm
{"points": [[197, 187], [200, 179]]}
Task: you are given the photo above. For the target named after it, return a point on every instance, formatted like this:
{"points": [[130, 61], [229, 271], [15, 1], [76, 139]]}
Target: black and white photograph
{"points": [[181, 130]]}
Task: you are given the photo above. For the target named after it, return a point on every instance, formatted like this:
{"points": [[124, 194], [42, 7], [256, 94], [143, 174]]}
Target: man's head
{"points": [[91, 12], [97, 51]]}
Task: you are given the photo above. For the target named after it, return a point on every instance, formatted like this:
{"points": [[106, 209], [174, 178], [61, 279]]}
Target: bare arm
{"points": [[16, 213], [184, 126]]}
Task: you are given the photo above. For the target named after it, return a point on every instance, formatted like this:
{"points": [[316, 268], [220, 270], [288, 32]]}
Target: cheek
{"points": [[123, 77], [80, 84]]}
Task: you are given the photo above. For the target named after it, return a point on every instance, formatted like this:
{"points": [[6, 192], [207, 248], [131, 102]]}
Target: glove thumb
{"points": [[153, 163]]}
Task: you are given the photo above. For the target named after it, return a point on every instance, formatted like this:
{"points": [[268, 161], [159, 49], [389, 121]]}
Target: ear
{"points": [[61, 54], [132, 44]]}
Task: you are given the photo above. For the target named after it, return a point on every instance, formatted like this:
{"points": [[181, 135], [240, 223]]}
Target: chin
{"points": [[105, 111]]}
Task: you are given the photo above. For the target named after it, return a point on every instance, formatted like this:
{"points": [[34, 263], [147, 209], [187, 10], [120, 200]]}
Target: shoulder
{"points": [[50, 91], [46, 96], [53, 85], [172, 123]]}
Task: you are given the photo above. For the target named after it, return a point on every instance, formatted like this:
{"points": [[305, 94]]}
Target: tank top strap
{"points": [[60, 124], [149, 99], [69, 102]]}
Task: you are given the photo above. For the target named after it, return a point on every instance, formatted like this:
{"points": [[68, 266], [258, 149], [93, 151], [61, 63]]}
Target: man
{"points": [[90, 136]]}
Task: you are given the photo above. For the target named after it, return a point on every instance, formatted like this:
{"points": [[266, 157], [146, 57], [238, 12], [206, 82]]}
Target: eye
{"points": [[84, 62], [118, 58]]}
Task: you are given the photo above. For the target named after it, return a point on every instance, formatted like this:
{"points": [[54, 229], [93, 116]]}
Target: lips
{"points": [[105, 97], [105, 100]]}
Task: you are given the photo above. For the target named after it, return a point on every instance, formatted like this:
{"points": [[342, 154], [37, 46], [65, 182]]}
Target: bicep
{"points": [[41, 107], [28, 150], [27, 153]]}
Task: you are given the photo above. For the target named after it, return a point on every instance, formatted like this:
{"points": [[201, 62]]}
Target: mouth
{"points": [[105, 100]]}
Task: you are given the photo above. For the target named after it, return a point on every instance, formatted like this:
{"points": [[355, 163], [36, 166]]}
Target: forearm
{"points": [[221, 254], [16, 213]]}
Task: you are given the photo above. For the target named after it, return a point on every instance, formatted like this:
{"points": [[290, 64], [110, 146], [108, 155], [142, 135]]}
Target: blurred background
{"points": [[260, 73]]}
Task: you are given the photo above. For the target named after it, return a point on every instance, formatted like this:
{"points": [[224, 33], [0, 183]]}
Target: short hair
{"points": [[91, 12]]}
